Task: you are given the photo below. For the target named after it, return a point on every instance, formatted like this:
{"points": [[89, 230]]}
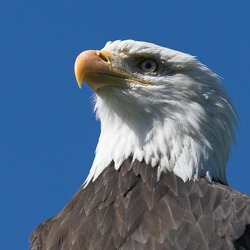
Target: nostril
{"points": [[102, 56]]}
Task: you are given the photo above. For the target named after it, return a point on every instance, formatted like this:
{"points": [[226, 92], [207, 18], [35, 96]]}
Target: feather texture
{"points": [[130, 209]]}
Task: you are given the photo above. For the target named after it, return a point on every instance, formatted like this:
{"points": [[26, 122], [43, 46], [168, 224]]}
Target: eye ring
{"points": [[148, 65]]}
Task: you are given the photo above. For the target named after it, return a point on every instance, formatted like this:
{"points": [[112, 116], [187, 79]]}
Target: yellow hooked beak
{"points": [[92, 66], [95, 68]]}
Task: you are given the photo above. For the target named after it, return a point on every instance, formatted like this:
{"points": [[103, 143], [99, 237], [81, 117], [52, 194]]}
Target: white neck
{"points": [[161, 135]]}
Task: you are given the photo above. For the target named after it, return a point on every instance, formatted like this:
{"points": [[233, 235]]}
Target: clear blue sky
{"points": [[48, 131]]}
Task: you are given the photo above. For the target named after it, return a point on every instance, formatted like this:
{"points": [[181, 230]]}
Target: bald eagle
{"points": [[158, 179]]}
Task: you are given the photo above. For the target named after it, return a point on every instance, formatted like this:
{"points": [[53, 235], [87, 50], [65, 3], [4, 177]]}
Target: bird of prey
{"points": [[158, 179]]}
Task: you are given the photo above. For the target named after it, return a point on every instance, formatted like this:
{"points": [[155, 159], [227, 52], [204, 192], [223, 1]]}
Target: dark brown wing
{"points": [[243, 243], [131, 209]]}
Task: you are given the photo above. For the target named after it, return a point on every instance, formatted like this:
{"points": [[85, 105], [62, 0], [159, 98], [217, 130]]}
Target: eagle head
{"points": [[160, 106]]}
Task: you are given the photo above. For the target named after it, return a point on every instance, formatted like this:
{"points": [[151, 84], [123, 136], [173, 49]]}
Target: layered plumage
{"points": [[158, 179]]}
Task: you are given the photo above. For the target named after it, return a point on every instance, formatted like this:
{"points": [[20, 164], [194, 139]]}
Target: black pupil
{"points": [[148, 65]]}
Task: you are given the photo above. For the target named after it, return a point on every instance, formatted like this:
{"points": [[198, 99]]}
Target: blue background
{"points": [[48, 131]]}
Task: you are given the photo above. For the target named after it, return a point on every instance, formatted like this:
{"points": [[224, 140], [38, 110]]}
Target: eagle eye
{"points": [[148, 65]]}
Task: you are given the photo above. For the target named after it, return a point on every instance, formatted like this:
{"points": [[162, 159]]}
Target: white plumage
{"points": [[181, 122]]}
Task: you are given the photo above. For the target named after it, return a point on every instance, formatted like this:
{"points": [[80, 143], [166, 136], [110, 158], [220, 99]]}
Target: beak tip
{"points": [[78, 73], [79, 84]]}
